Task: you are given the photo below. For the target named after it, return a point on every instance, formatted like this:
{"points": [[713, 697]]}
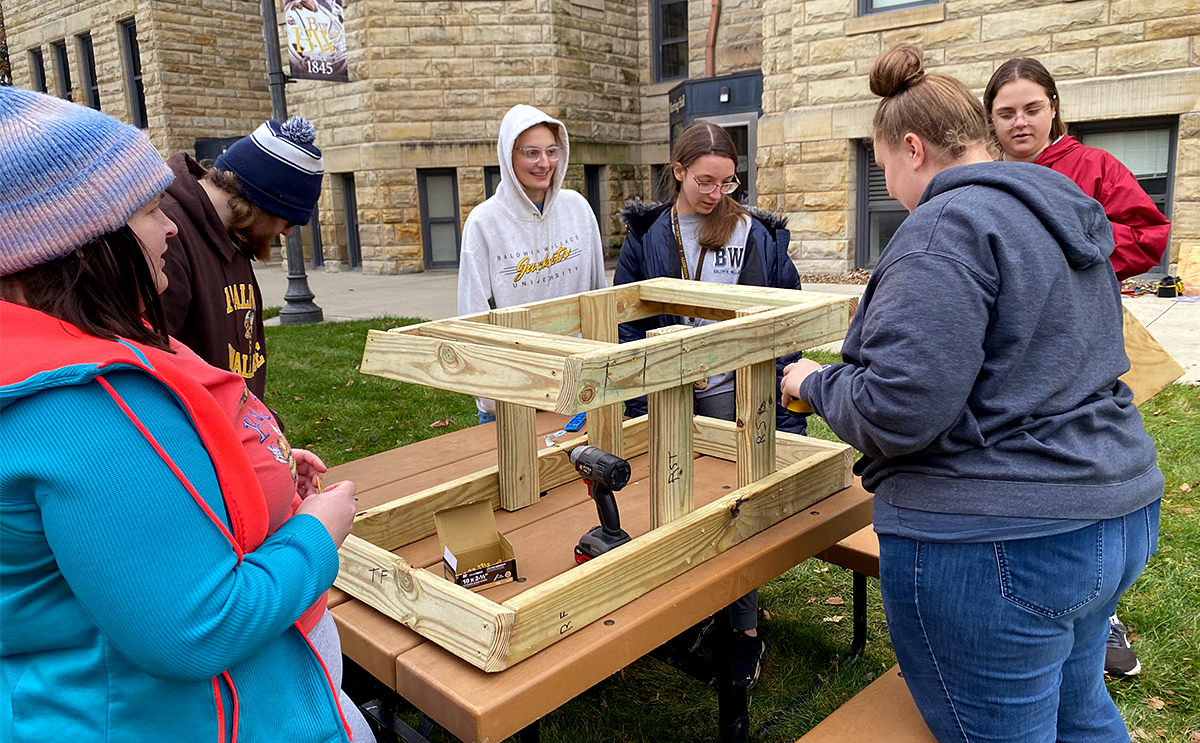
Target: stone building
{"points": [[410, 140]]}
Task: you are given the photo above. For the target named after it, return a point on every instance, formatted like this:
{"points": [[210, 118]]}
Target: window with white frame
{"points": [[438, 189], [867, 7]]}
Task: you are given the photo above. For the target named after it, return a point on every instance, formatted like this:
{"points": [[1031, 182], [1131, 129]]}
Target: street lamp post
{"points": [[298, 299]]}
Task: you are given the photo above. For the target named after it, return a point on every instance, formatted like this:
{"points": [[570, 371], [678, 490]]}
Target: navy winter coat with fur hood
{"points": [[650, 252]]}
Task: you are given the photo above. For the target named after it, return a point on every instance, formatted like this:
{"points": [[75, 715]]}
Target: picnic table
{"points": [[481, 707]]}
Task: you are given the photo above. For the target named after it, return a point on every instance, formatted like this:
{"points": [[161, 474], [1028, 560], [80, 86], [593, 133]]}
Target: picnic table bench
{"points": [[485, 707]]}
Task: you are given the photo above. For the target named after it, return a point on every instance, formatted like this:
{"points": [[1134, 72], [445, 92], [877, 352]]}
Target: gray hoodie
{"points": [[512, 253], [980, 372]]}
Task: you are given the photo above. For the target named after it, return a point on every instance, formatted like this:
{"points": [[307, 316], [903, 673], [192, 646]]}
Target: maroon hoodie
{"points": [[212, 302], [1139, 228]]}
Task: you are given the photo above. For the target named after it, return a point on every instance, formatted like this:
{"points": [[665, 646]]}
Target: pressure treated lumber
{"points": [[516, 448], [1151, 367], [671, 476], [755, 396], [405, 520], [467, 625], [598, 322], [563, 604], [717, 438], [522, 369]]}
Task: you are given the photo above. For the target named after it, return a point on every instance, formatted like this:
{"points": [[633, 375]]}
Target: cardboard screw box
{"points": [[474, 554]]}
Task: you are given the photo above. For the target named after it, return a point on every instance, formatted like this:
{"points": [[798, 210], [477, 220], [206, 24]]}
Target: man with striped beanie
{"points": [[263, 186]]}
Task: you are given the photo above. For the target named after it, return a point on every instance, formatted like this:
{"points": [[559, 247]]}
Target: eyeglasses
{"points": [[1033, 112], [534, 154], [726, 188]]}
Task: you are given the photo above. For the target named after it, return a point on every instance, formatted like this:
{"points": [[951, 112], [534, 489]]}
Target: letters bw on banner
{"points": [[316, 39]]}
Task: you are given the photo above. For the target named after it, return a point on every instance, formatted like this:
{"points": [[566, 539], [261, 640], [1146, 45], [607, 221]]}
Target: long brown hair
{"points": [[243, 212], [937, 108], [698, 140], [1025, 68], [102, 288]]}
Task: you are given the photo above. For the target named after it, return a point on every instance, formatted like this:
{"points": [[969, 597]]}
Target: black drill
{"points": [[604, 474]]}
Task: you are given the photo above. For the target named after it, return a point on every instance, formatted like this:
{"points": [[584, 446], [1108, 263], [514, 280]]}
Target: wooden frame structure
{"points": [[528, 358]]}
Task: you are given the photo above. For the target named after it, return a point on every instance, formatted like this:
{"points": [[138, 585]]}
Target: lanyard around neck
{"points": [[682, 257]]}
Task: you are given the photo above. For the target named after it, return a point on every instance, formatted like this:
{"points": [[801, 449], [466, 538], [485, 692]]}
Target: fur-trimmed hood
{"points": [[638, 215]]}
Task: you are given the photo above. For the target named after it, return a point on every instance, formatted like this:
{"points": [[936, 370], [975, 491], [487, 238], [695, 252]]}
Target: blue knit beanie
{"points": [[68, 174], [279, 168]]}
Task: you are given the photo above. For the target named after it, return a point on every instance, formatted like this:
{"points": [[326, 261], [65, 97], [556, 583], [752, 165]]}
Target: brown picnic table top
{"points": [[488, 707]]}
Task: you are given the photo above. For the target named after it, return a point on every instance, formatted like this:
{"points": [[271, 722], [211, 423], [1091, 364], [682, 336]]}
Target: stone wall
{"points": [[202, 68], [1112, 59], [429, 88]]}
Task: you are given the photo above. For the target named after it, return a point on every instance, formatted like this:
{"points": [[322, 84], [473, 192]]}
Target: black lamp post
{"points": [[298, 299]]}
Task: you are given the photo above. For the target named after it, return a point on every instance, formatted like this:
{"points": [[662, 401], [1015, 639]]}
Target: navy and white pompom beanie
{"points": [[279, 167], [68, 174]]}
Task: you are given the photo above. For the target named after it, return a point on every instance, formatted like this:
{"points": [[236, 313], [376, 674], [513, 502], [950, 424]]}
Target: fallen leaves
{"points": [[441, 424], [1155, 703], [834, 601], [1185, 487], [836, 620]]}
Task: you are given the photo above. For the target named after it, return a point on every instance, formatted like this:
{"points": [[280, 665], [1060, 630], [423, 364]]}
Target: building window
{"points": [[491, 180], [62, 68], [37, 66], [670, 39], [866, 7], [1147, 148], [439, 216], [591, 188], [350, 210], [87, 64], [133, 74], [879, 215]]}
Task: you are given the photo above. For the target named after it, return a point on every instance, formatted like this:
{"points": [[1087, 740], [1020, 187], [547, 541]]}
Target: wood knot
{"points": [[587, 394], [404, 581], [448, 356]]}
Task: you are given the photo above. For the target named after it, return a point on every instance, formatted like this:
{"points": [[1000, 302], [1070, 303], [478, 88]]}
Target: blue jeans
{"points": [[485, 417], [1004, 641]]}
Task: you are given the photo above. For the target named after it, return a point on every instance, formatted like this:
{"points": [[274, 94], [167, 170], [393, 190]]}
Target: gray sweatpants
{"points": [[325, 640]]}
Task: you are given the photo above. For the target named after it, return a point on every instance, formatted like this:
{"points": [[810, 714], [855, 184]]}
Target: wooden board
{"points": [[1151, 367], [516, 366], [478, 706], [507, 360]]}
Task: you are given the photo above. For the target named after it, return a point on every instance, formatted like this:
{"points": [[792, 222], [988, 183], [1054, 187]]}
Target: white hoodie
{"points": [[512, 253]]}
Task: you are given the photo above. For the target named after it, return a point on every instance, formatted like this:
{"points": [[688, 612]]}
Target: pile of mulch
{"points": [[857, 276]]}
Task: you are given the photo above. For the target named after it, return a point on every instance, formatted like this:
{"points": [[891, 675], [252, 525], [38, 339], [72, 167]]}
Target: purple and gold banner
{"points": [[316, 40]]}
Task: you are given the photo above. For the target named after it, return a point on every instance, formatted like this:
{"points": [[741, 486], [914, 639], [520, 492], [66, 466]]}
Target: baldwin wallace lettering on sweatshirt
{"points": [[530, 267], [240, 298]]}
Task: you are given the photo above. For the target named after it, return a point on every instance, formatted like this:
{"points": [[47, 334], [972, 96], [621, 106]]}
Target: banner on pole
{"points": [[316, 40]]}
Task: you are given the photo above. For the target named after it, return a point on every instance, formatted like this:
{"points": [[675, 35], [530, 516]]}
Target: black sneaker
{"points": [[745, 659], [1119, 659], [682, 652]]}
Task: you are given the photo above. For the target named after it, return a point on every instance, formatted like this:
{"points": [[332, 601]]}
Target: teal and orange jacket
{"points": [[140, 597]]}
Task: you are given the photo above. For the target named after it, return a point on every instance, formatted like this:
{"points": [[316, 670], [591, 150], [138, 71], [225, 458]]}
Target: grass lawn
{"points": [[342, 415]]}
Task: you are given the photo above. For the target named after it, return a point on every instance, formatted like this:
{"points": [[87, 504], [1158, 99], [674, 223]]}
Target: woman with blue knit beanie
{"points": [[147, 593]]}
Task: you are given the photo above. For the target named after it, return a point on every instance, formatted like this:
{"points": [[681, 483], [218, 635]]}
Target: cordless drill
{"points": [[604, 474]]}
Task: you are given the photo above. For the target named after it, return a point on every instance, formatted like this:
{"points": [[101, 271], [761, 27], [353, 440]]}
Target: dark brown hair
{"points": [[698, 140], [102, 288], [1025, 68], [243, 212], [937, 108]]}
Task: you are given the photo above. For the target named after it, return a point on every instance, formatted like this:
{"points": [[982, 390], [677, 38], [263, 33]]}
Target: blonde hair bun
{"points": [[897, 70]]}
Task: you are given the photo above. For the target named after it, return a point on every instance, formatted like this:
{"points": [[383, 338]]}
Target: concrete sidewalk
{"points": [[350, 295]]}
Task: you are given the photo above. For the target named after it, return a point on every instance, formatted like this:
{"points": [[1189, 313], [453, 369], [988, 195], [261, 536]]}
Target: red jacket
{"points": [[1139, 228]]}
